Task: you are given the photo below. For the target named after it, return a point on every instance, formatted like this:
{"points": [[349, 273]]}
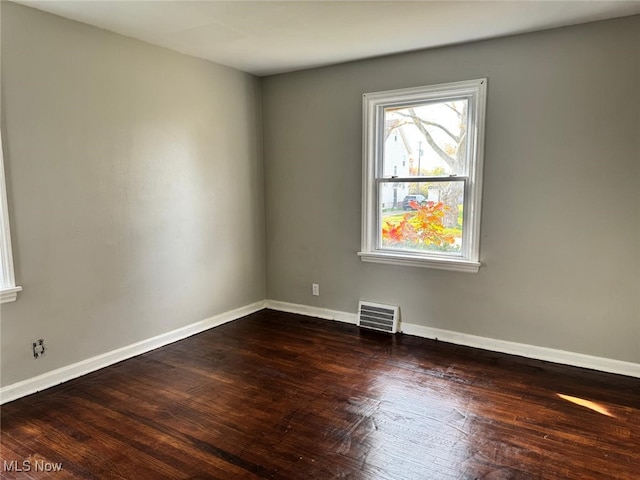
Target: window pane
{"points": [[422, 216], [425, 139]]}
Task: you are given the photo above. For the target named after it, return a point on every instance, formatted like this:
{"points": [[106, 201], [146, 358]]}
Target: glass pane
{"points": [[426, 139], [422, 216]]}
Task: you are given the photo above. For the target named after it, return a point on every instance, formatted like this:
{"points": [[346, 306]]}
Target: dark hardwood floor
{"points": [[283, 396]]}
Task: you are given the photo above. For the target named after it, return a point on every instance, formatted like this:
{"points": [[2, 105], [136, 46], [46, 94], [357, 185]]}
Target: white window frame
{"points": [[8, 289], [374, 105]]}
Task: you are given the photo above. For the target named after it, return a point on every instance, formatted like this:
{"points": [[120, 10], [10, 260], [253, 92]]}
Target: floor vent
{"points": [[374, 316]]}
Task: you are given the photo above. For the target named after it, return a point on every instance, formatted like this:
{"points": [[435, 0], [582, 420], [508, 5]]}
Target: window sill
{"points": [[9, 294], [453, 264]]}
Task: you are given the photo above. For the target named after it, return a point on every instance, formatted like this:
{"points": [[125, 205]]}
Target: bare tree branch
{"points": [[463, 139], [393, 125], [415, 118], [452, 107], [432, 143]]}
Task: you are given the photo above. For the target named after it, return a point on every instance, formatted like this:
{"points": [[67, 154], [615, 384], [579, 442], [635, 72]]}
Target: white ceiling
{"points": [[266, 37]]}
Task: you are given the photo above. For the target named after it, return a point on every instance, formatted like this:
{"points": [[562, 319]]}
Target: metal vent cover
{"points": [[375, 316]]}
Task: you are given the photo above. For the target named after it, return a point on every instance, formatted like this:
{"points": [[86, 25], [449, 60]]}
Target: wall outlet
{"points": [[38, 348], [315, 289]]}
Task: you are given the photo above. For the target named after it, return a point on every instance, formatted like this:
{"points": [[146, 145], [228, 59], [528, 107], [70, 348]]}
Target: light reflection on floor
{"points": [[596, 407], [406, 426]]}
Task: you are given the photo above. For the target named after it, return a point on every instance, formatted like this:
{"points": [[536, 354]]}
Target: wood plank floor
{"points": [[284, 396]]}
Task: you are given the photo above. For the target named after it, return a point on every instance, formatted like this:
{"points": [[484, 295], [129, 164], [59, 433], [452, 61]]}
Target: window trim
{"points": [[373, 143], [8, 289]]}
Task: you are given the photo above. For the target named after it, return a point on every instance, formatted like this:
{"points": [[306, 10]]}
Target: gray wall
{"points": [[135, 185], [137, 195], [560, 237]]}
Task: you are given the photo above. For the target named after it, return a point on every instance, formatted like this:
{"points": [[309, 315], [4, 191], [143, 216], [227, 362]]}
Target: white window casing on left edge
{"points": [[8, 289]]}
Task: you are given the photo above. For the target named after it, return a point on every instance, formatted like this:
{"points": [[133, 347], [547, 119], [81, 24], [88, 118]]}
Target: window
{"points": [[422, 182], [8, 289]]}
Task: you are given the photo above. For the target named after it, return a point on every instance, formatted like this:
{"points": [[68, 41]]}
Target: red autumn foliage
{"points": [[423, 226]]}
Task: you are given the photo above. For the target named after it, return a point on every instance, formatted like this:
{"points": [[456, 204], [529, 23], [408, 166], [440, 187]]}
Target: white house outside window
{"points": [[422, 182]]}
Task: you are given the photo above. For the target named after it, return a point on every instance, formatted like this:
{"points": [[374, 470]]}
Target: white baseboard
{"points": [[60, 375], [317, 312], [521, 349]]}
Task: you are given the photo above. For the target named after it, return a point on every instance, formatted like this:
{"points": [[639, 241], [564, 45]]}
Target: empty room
{"points": [[320, 240]]}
